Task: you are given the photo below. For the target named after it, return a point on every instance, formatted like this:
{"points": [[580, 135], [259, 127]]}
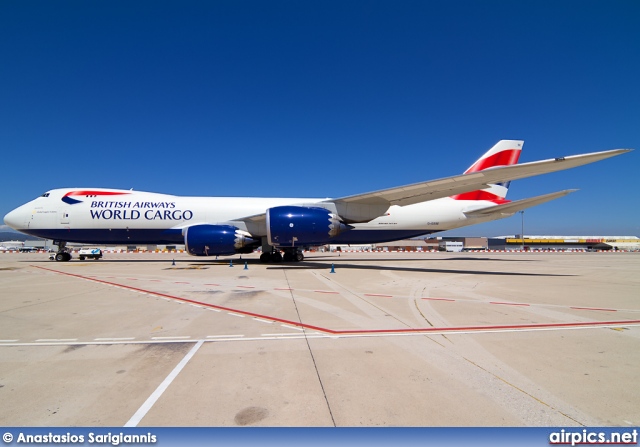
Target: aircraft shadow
{"points": [[339, 259], [324, 266]]}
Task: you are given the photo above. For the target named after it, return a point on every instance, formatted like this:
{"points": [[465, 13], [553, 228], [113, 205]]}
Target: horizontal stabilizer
{"points": [[517, 205]]}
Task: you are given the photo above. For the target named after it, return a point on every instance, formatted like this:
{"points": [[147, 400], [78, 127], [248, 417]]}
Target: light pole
{"points": [[522, 233]]}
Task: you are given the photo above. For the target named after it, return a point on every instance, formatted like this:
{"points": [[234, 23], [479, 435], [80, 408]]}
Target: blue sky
{"points": [[322, 99]]}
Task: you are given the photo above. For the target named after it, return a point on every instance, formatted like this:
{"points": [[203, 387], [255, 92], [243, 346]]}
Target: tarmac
{"points": [[386, 339]]}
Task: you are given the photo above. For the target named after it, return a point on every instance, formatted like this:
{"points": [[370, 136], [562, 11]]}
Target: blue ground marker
{"points": [[333, 270], [231, 263], [245, 265]]}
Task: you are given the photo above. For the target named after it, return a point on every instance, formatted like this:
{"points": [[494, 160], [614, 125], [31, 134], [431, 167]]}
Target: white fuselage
{"points": [[121, 216]]}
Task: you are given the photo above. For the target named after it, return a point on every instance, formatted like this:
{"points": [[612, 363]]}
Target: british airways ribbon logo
{"points": [[68, 197]]}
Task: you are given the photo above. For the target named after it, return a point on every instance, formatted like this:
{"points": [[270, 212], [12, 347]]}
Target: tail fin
{"points": [[504, 153]]}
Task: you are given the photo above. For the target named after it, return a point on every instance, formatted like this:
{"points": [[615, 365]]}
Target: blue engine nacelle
{"points": [[289, 226], [212, 240]]}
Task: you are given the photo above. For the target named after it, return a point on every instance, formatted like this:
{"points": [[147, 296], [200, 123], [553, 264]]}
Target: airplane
{"points": [[212, 226]]}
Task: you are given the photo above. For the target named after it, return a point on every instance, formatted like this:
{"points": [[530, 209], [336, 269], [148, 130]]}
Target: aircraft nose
{"points": [[14, 219]]}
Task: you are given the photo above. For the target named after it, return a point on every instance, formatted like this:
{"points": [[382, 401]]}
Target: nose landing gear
{"points": [[63, 254]]}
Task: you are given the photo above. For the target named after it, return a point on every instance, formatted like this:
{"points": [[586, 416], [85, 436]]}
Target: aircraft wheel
{"points": [[288, 257], [299, 256], [63, 257], [276, 257], [265, 258]]}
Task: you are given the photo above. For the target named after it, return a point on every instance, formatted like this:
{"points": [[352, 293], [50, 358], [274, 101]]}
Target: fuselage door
{"points": [[64, 216]]}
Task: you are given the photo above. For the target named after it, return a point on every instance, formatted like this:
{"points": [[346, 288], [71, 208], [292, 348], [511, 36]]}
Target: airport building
{"points": [[452, 244], [563, 243], [503, 243]]}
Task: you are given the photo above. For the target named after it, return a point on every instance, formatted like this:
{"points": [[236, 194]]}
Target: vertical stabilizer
{"points": [[504, 153]]}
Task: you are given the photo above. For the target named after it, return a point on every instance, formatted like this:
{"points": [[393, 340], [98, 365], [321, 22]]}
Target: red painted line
{"points": [[247, 287], [185, 300], [492, 328], [594, 308], [212, 284], [438, 299], [362, 331], [180, 282], [509, 304], [133, 279], [377, 294], [326, 291]]}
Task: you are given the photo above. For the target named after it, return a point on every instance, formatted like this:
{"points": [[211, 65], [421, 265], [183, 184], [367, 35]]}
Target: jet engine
{"points": [[289, 226], [212, 240]]}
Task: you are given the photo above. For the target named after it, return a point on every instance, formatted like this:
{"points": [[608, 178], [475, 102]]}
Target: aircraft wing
{"points": [[368, 206], [510, 208], [448, 186]]}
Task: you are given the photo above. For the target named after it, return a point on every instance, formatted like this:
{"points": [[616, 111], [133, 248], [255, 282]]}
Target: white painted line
{"points": [[114, 338], [235, 315], [177, 337], [225, 336], [280, 333], [8, 341], [292, 327], [215, 310], [293, 337], [57, 339], [288, 337], [263, 321], [214, 338], [146, 406]]}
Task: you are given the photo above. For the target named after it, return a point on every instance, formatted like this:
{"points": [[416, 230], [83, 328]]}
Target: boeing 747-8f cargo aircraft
{"points": [[210, 226]]}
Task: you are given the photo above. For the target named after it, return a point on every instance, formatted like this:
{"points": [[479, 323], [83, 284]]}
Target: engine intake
{"points": [[289, 226], [212, 240]]}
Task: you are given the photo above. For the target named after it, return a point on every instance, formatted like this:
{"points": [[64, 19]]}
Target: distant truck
{"points": [[451, 246], [94, 253]]}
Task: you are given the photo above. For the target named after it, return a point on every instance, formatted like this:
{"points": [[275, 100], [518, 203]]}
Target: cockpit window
{"points": [[46, 194]]}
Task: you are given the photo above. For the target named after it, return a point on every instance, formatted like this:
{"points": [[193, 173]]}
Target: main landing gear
{"points": [[292, 255], [62, 255], [274, 255]]}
